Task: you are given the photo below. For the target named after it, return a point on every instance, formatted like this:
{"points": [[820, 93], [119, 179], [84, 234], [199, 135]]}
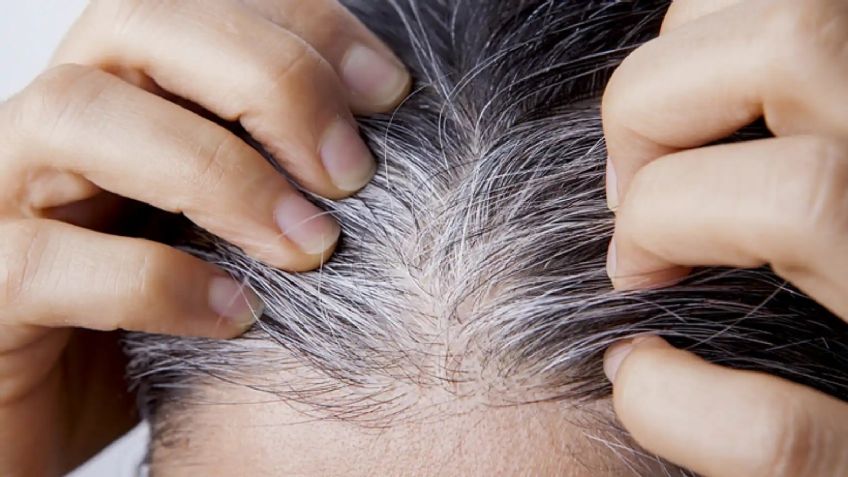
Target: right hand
{"points": [[125, 114]]}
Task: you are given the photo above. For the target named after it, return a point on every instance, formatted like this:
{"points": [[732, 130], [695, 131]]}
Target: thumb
{"points": [[721, 422]]}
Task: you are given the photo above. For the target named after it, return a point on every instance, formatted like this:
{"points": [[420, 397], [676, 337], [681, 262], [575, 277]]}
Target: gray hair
{"points": [[474, 262]]}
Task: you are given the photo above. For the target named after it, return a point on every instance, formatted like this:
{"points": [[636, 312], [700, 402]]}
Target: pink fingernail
{"points": [[308, 227], [615, 356], [347, 160], [234, 301], [612, 186], [612, 259], [373, 76]]}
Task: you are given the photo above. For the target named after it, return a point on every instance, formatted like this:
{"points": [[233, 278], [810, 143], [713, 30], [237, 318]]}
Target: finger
{"points": [[138, 145], [682, 12], [376, 80], [698, 84], [241, 67], [724, 423], [781, 201], [110, 282]]}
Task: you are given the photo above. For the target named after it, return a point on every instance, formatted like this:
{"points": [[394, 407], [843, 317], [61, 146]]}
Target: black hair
{"points": [[477, 255]]}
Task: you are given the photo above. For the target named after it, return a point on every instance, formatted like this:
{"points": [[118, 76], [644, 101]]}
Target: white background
{"points": [[29, 31]]}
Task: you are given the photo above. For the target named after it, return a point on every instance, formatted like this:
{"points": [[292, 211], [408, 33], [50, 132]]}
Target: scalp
{"points": [[473, 266]]}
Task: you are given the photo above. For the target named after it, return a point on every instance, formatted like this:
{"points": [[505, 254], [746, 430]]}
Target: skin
{"points": [[443, 435], [124, 114], [681, 203]]}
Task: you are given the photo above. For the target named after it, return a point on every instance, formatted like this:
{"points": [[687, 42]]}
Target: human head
{"points": [[469, 288]]}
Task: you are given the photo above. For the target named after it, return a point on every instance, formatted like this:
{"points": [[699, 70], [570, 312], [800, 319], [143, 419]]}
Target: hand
{"points": [[716, 67], [127, 113]]}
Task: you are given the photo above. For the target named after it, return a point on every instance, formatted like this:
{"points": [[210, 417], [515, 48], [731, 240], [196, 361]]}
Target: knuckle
{"points": [[60, 96], [820, 190], [55, 82], [148, 288], [303, 71], [638, 205], [165, 285], [23, 110], [790, 442], [213, 165], [623, 99], [331, 31], [22, 244], [626, 83], [643, 181], [278, 75], [614, 103], [811, 30]]}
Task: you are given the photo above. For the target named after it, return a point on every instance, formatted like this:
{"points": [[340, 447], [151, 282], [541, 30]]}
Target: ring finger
{"points": [[110, 283], [154, 151]]}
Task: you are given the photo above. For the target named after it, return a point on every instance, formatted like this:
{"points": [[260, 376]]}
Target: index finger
{"points": [[720, 72], [686, 88]]}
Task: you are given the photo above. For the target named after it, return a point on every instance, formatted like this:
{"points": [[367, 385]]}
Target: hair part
{"points": [[474, 264]]}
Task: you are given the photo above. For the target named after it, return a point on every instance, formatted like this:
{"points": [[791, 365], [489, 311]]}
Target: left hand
{"points": [[718, 66]]}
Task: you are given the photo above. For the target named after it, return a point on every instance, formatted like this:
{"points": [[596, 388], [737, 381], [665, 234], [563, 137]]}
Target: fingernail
{"points": [[614, 356], [612, 259], [346, 158], [616, 353], [308, 227], [379, 80], [234, 301], [612, 187]]}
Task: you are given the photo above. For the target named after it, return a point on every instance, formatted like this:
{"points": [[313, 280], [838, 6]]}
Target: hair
{"points": [[474, 264]]}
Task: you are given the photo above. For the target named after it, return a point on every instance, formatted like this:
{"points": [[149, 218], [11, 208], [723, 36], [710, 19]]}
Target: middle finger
{"points": [[778, 201], [241, 67]]}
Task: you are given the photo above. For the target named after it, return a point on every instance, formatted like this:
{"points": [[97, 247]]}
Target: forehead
{"points": [[235, 431]]}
